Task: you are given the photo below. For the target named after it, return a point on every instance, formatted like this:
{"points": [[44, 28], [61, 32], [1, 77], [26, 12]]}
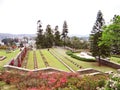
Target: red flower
{"points": [[12, 62], [63, 80], [32, 89], [51, 80]]}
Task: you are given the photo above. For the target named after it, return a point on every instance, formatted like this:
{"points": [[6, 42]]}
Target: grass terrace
{"points": [[30, 62], [84, 64], [9, 56], [40, 62], [115, 59], [53, 62], [74, 67]]}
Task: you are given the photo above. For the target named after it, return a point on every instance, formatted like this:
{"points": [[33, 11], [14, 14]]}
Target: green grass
{"points": [[9, 56], [74, 67], [30, 62], [40, 62], [115, 59], [53, 62], [85, 64]]}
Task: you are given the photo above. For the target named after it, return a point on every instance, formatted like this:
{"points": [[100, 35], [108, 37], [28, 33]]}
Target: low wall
{"points": [[45, 70], [110, 64]]}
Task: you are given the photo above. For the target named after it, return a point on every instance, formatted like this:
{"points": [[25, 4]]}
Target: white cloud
{"points": [[20, 16]]}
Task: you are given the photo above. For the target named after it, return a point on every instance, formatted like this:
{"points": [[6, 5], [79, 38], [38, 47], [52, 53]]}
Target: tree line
{"points": [[53, 37]]}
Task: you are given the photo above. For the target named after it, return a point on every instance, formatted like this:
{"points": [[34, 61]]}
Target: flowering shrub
{"points": [[114, 82], [52, 81]]}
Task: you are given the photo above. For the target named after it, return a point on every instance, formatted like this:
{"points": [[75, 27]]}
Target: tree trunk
{"points": [[99, 60], [64, 42]]}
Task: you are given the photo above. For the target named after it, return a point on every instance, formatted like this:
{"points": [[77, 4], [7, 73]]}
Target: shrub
{"points": [[101, 83], [79, 58]]}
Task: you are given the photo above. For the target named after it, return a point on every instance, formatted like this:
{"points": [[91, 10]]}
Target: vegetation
{"points": [[65, 60], [40, 36], [30, 62], [52, 81], [79, 58], [115, 59], [53, 62], [10, 41], [104, 41], [96, 49], [57, 37], [111, 35], [65, 31], [49, 38], [83, 64], [9, 56], [39, 60]]}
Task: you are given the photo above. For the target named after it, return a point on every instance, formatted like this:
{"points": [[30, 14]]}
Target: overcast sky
{"points": [[20, 16]]}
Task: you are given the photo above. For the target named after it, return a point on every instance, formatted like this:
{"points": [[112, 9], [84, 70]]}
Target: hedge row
{"points": [[79, 58]]}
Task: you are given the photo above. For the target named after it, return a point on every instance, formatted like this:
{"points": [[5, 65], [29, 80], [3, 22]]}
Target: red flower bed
{"points": [[51, 81]]}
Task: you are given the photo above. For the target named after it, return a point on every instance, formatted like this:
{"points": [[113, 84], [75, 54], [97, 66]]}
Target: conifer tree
{"points": [[57, 39], [49, 38], [40, 36], [95, 37], [65, 31]]}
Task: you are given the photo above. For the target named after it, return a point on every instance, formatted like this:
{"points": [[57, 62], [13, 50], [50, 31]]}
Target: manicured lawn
{"points": [[53, 62], [30, 62], [66, 61], [115, 59], [85, 64], [40, 62], [9, 56]]}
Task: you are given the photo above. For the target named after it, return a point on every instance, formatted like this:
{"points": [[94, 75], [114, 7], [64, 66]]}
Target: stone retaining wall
{"points": [[45, 70], [110, 64]]}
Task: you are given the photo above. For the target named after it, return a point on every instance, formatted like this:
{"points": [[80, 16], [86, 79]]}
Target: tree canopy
{"points": [[111, 35]]}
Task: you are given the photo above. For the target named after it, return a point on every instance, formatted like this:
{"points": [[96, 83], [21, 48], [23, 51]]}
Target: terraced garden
{"points": [[82, 63], [57, 58]]}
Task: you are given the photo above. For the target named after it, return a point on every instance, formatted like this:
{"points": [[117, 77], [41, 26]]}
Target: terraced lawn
{"points": [[9, 56], [30, 62], [40, 62], [53, 62], [85, 64], [115, 59], [66, 61]]}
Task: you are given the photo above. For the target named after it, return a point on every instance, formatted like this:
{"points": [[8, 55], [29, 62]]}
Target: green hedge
{"points": [[79, 58]]}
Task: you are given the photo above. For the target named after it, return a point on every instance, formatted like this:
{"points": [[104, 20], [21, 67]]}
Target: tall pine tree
{"points": [[49, 38], [95, 37], [65, 31], [40, 36], [57, 40]]}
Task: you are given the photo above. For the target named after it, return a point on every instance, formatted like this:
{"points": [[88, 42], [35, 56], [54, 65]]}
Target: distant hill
{"points": [[85, 37], [7, 35]]}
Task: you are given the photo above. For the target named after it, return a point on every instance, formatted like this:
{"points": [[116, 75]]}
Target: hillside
{"points": [[7, 35]]}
